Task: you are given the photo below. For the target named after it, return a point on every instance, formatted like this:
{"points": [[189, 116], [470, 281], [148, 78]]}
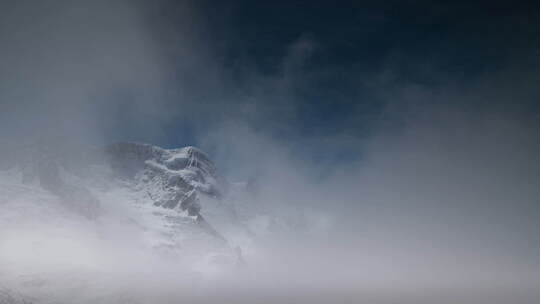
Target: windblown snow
{"points": [[71, 220]]}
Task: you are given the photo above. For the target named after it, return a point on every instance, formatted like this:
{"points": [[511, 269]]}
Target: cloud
{"points": [[60, 60], [435, 184], [98, 70]]}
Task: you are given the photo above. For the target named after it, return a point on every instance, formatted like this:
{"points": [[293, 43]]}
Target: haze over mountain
{"points": [[67, 218], [269, 151]]}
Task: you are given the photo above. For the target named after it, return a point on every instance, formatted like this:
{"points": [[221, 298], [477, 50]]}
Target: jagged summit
{"points": [[167, 206], [172, 178], [180, 187], [129, 157], [169, 178]]}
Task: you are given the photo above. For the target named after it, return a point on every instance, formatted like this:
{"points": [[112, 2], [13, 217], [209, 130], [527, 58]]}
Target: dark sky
{"points": [[333, 53], [418, 120], [306, 74], [317, 69]]}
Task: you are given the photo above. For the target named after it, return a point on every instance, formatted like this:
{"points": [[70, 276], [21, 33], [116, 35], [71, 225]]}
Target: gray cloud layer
{"points": [[449, 170]]}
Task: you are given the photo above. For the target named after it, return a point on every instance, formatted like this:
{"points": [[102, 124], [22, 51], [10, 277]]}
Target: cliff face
{"points": [[72, 219], [171, 178], [167, 179], [84, 208]]}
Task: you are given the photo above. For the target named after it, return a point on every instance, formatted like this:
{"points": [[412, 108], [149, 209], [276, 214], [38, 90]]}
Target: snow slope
{"points": [[69, 221]]}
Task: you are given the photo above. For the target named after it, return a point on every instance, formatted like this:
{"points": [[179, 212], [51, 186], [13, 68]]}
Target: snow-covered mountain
{"points": [[97, 210]]}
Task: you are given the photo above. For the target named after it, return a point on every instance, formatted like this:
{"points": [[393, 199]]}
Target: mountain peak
{"points": [[172, 177]]}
